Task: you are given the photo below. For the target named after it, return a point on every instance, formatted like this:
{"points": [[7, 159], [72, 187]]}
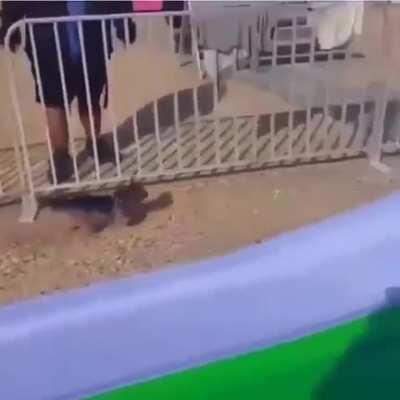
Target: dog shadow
{"points": [[128, 206]]}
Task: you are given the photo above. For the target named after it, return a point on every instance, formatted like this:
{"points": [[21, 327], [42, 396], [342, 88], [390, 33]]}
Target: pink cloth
{"points": [[148, 5]]}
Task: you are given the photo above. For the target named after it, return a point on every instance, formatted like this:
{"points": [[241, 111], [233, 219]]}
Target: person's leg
{"points": [[84, 116], [105, 150], [97, 85], [58, 130], [97, 82], [60, 162], [60, 165]]}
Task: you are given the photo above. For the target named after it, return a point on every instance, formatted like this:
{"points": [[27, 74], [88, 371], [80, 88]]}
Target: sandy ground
{"points": [[73, 244]]}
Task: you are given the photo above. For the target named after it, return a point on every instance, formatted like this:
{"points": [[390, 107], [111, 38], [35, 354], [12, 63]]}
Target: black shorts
{"points": [[73, 77]]}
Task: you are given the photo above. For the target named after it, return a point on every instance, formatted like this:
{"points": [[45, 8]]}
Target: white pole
{"points": [[42, 101], [89, 99], [65, 99], [111, 98]]}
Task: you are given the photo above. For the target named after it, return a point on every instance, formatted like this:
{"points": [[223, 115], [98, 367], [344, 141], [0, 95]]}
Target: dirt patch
{"points": [[76, 244]]}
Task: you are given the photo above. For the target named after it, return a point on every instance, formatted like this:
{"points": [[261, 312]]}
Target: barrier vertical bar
{"points": [[290, 132], [89, 99], [65, 100], [19, 163], [294, 38], [196, 122], [134, 117], [273, 131], [255, 137], [308, 129], [40, 87], [182, 36], [126, 33], [292, 83], [216, 100], [236, 129], [325, 150], [137, 140], [254, 48], [19, 158], [158, 137], [29, 203], [177, 129], [374, 147], [275, 46], [343, 115], [196, 51], [171, 33], [194, 31], [312, 46], [217, 125], [111, 98]]}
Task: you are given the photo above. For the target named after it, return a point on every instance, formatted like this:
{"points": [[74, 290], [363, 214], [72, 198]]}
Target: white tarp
{"points": [[336, 23]]}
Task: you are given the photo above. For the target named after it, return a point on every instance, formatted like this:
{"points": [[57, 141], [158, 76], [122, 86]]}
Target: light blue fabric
{"points": [[75, 8]]}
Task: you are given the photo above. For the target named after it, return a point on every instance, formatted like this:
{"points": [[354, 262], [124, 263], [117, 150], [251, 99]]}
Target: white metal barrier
{"points": [[87, 173], [265, 41], [191, 139], [294, 41]]}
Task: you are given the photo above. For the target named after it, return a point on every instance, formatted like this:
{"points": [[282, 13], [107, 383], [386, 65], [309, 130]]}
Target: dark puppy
{"points": [[129, 203]]}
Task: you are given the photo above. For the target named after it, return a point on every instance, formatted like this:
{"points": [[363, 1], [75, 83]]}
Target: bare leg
{"points": [[58, 130], [60, 166], [105, 152], [85, 119]]}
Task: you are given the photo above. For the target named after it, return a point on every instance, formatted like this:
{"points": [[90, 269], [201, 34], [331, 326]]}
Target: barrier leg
{"points": [[392, 128], [374, 147], [211, 61], [29, 208], [380, 166]]}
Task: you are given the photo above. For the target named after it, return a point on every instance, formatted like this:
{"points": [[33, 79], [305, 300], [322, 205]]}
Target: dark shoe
{"points": [[63, 167], [105, 151]]}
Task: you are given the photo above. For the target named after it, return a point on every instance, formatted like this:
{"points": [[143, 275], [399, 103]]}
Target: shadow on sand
{"points": [[127, 206], [146, 118]]}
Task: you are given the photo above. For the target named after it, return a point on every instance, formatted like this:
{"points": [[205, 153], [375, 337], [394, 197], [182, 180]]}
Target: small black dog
{"points": [[129, 203]]}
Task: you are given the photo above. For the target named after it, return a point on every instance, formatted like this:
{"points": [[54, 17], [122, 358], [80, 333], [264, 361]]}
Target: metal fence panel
{"points": [[180, 134]]}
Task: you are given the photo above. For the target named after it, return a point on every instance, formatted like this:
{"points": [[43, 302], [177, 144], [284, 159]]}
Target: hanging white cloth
{"points": [[337, 23]]}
